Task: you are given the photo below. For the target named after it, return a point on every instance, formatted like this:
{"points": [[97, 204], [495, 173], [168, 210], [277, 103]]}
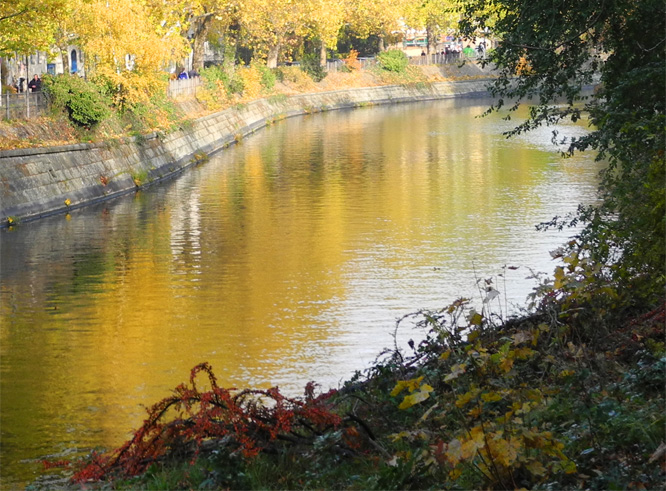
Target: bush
{"points": [[351, 62], [268, 76], [83, 101], [393, 60], [310, 65], [297, 78], [214, 76], [252, 78]]}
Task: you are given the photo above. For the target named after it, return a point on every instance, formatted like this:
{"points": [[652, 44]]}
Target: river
{"points": [[284, 259]]}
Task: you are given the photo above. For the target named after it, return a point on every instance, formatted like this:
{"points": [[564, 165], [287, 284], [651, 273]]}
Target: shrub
{"points": [[83, 101], [251, 77], [310, 65], [351, 62], [268, 76], [213, 74], [214, 77], [393, 60], [296, 77]]}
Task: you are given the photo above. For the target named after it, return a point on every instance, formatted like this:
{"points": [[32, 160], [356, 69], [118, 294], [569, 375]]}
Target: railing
{"points": [[33, 104], [338, 65], [432, 59], [25, 105], [183, 87]]}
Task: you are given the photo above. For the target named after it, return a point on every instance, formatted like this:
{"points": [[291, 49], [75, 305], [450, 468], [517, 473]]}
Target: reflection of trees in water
{"points": [[285, 258]]}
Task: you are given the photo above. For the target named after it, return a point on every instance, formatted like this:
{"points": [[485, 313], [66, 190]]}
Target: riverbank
{"points": [[570, 396], [42, 181], [563, 398]]}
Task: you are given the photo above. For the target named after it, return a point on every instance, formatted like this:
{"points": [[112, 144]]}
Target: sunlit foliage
{"points": [[549, 53], [27, 26]]}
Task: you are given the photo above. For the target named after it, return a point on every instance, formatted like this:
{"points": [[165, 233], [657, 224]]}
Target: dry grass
{"points": [[35, 132]]}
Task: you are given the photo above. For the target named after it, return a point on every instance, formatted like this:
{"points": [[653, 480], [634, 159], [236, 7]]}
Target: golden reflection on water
{"points": [[284, 259]]}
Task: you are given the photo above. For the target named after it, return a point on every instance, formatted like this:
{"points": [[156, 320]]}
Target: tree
{"points": [[202, 16], [272, 23], [65, 30], [27, 26], [435, 16], [548, 52], [327, 18], [381, 17], [130, 56]]}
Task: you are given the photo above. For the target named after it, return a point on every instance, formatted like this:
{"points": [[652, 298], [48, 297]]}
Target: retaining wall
{"points": [[38, 182]]}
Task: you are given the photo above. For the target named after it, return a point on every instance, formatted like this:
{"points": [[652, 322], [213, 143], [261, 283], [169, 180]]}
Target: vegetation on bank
{"points": [[567, 397], [570, 395], [86, 111]]}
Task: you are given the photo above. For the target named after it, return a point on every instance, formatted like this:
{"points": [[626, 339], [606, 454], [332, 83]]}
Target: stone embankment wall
{"points": [[38, 182]]}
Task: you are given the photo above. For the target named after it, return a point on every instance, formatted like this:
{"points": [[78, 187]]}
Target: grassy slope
{"points": [[164, 115]]}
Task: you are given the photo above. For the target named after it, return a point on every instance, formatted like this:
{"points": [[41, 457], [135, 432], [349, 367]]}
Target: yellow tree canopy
{"points": [[435, 16], [271, 23], [131, 55], [379, 17], [27, 26], [326, 18]]}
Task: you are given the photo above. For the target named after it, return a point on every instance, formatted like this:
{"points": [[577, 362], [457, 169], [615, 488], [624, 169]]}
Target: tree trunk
{"points": [[323, 54], [201, 28], [61, 42], [381, 44], [64, 54], [273, 53]]}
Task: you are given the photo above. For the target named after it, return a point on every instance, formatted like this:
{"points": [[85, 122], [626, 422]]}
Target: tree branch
{"points": [[13, 15]]}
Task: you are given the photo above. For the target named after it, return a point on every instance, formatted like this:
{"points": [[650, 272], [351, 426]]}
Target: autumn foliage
{"points": [[480, 403], [249, 420]]}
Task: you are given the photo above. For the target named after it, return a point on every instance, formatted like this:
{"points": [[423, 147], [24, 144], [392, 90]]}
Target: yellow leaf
{"points": [[410, 385], [523, 353], [506, 364], [399, 436], [445, 356], [470, 447], [477, 441], [464, 398], [568, 466], [454, 452], [426, 415], [475, 319], [505, 452], [416, 397], [491, 396], [475, 412], [456, 371], [536, 468], [559, 278]]}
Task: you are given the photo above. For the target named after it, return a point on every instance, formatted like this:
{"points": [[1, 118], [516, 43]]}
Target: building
{"points": [[21, 68]]}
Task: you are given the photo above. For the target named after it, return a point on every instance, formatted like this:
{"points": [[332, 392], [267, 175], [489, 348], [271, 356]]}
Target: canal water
{"points": [[284, 259]]}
